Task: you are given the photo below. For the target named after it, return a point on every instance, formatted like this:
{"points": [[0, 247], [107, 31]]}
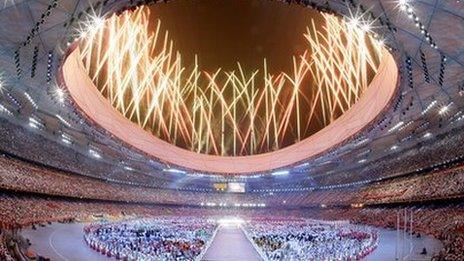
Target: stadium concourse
{"points": [[232, 130]]}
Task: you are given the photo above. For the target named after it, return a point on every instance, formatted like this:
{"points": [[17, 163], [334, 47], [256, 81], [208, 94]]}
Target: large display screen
{"points": [[220, 186], [236, 187]]}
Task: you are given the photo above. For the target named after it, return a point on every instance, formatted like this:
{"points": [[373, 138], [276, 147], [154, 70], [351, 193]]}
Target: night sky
{"points": [[223, 32]]}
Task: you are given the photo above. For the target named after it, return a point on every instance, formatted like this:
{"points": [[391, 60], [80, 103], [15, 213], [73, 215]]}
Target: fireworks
{"points": [[227, 112]]}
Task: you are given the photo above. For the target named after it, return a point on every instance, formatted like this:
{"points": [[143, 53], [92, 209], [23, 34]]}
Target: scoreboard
{"points": [[236, 187], [220, 186]]}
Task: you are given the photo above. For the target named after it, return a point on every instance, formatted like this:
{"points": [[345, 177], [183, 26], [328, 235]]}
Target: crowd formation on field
{"points": [[312, 240], [163, 238]]}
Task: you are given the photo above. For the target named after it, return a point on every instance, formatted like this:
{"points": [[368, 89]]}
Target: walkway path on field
{"points": [[231, 244]]}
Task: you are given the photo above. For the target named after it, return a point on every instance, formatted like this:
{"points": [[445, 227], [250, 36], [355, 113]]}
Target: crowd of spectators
{"points": [[439, 150], [162, 238], [4, 252], [29, 145], [18, 175], [442, 184], [22, 176], [453, 246], [17, 211], [312, 240]]}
